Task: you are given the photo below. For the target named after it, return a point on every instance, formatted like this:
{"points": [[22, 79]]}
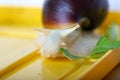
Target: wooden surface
{"points": [[114, 74]]}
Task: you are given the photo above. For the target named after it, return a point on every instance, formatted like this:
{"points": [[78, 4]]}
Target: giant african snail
{"points": [[65, 14]]}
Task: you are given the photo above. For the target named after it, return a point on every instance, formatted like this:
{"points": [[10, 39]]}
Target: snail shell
{"points": [[62, 14]]}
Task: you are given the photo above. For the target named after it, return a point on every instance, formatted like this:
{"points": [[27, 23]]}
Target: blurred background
{"points": [[28, 12]]}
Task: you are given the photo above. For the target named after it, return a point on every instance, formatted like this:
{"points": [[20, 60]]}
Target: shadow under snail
{"points": [[62, 20]]}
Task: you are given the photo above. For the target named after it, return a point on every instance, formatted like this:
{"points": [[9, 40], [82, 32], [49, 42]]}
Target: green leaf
{"points": [[69, 55], [96, 56], [112, 32], [104, 45], [107, 42]]}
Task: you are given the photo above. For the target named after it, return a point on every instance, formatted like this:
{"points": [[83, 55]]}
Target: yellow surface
{"points": [[18, 32], [20, 16], [111, 17], [19, 59], [63, 69], [14, 52], [45, 69]]}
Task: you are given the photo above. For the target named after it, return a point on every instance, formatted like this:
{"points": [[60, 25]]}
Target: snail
{"points": [[68, 17]]}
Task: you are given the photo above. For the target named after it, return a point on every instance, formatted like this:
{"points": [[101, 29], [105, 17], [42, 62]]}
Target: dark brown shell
{"points": [[61, 14]]}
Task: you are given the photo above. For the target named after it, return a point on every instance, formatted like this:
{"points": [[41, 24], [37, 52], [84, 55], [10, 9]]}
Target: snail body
{"points": [[62, 14], [65, 21]]}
